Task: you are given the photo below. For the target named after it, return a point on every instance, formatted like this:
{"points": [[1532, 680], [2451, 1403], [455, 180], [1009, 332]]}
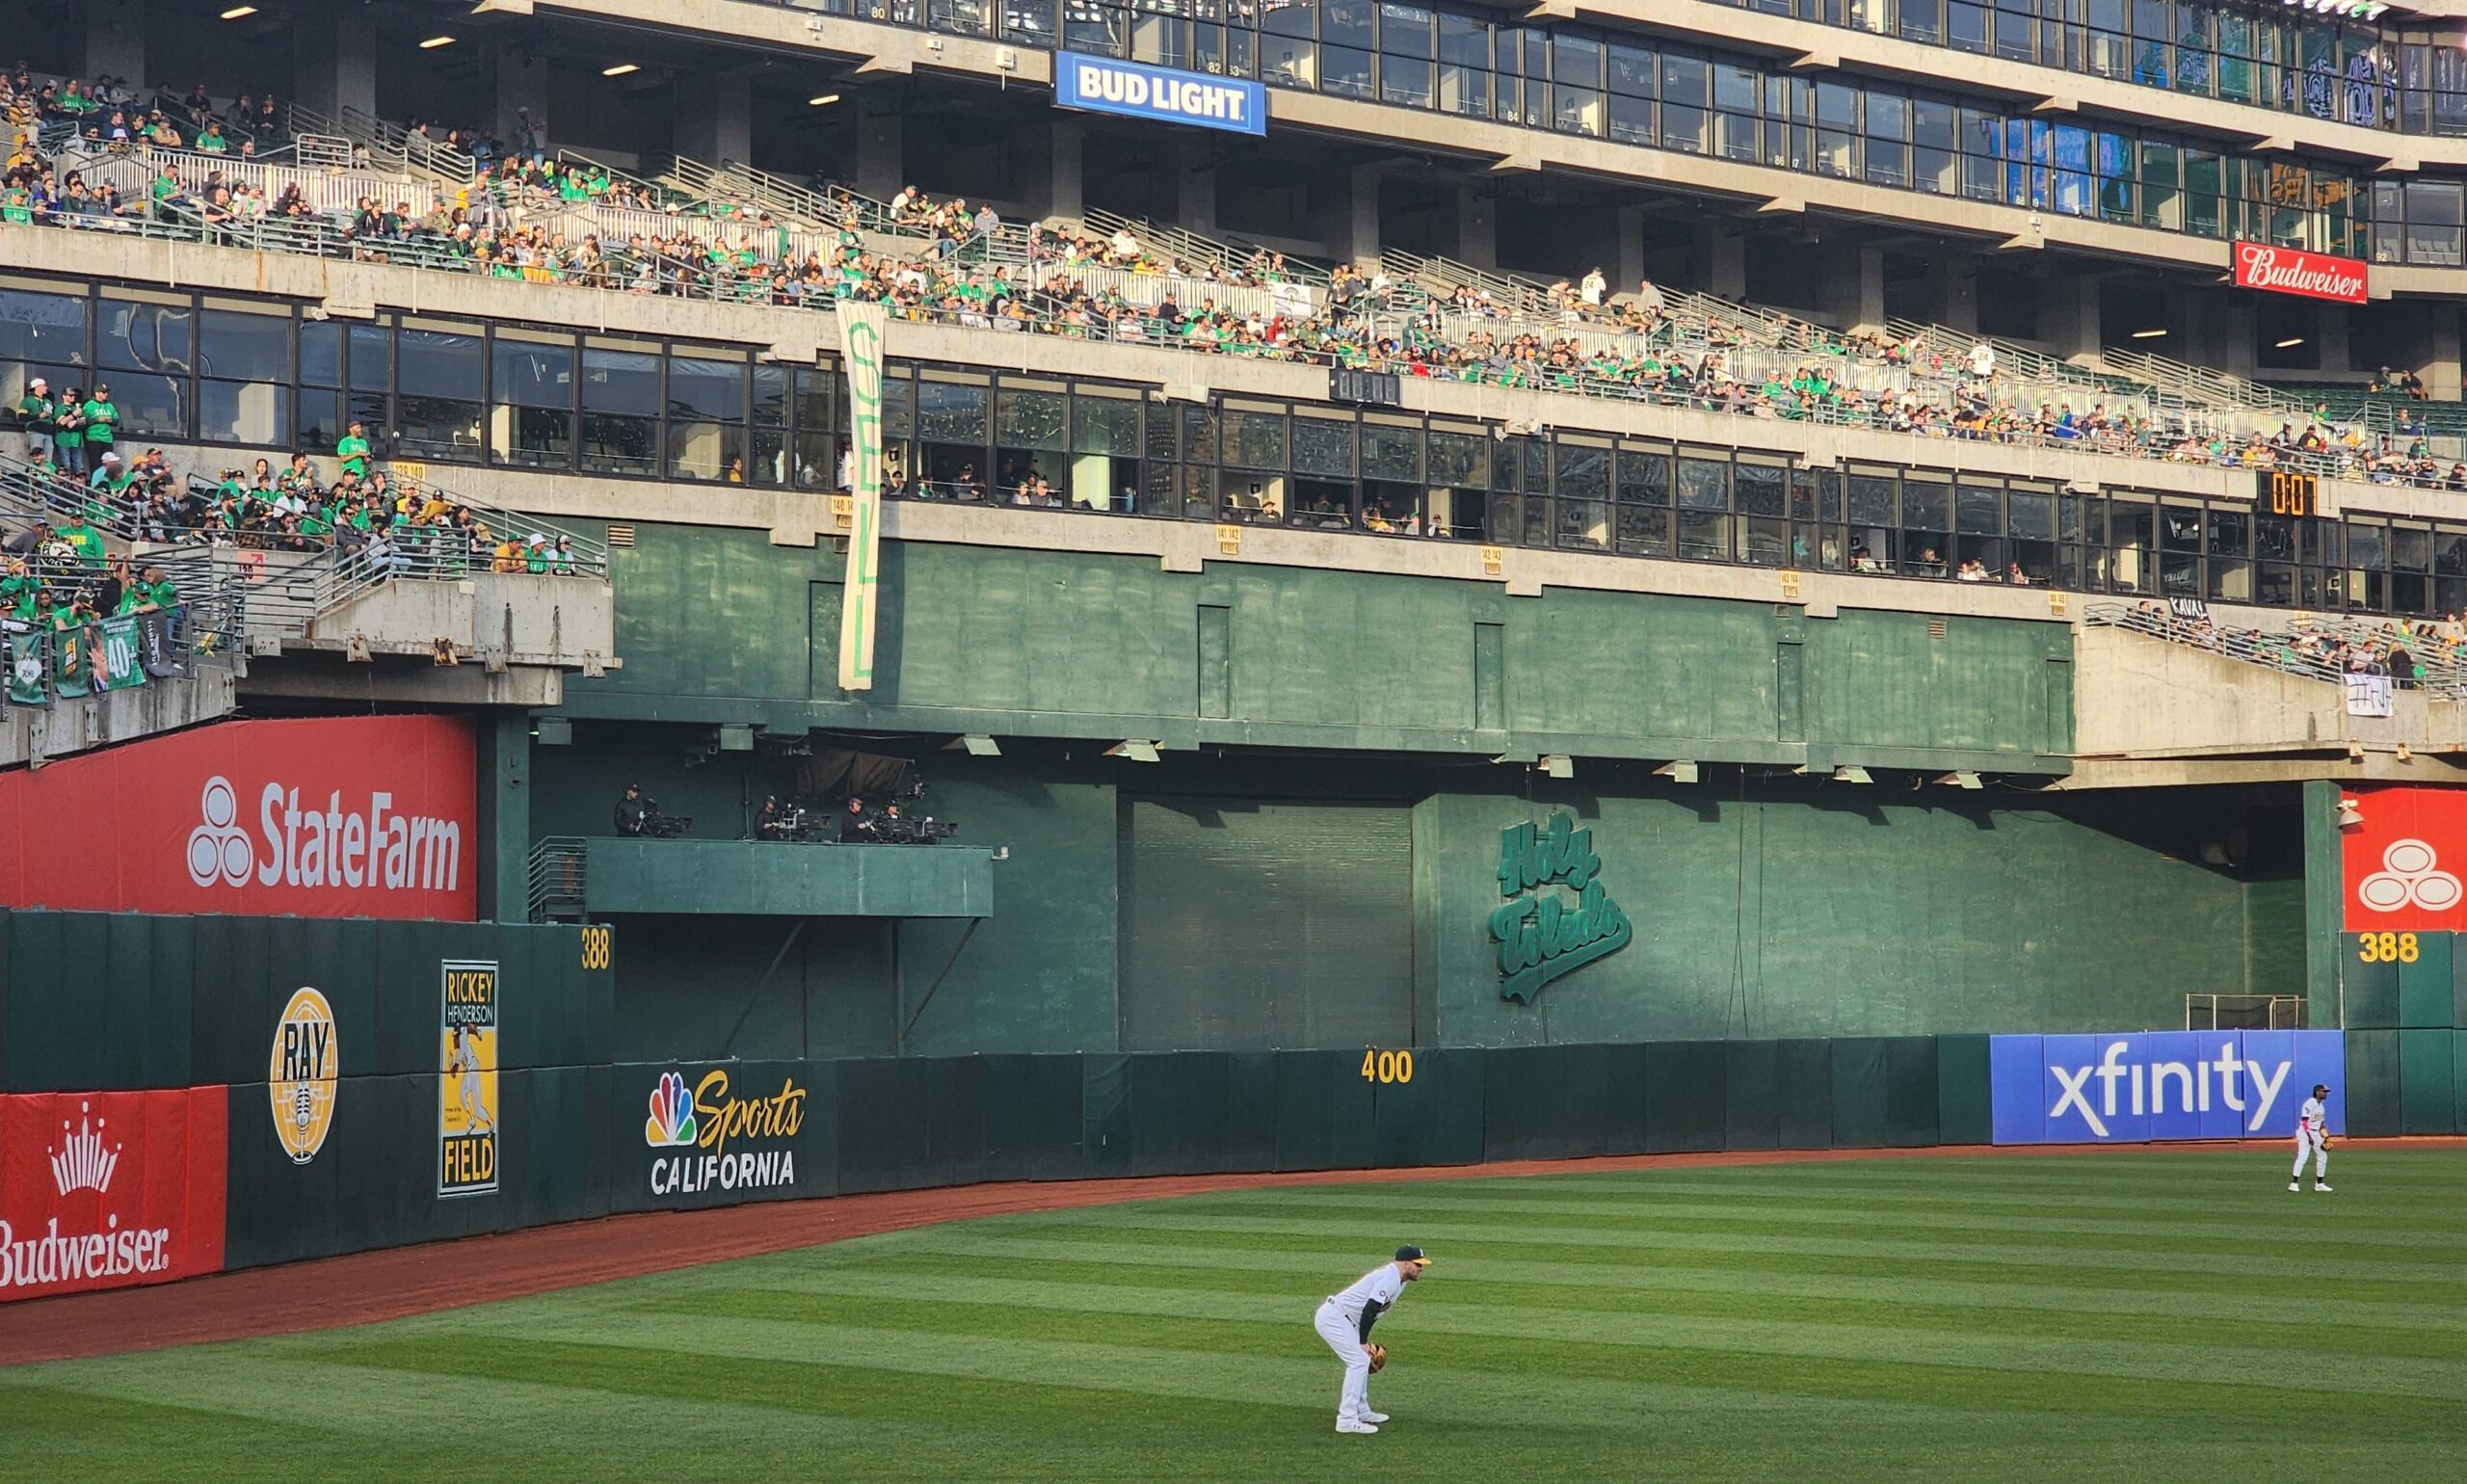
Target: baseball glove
{"points": [[1378, 1358]]}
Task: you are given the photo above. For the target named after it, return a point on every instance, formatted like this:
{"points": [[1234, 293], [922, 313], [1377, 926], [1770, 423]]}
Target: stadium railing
{"points": [[2290, 650]]}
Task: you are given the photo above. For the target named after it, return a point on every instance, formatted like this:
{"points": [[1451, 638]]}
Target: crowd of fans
{"points": [[948, 260], [356, 511], [2413, 653]]}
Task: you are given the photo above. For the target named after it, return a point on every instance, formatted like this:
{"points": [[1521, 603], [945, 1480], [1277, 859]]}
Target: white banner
{"points": [[860, 347], [2368, 695]]}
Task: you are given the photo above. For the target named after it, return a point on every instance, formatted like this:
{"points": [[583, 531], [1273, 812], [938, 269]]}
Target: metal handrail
{"points": [[2290, 650], [556, 875]]}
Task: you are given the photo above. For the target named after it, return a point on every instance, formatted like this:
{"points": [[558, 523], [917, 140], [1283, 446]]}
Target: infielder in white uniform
{"points": [[2313, 1137], [1344, 1322]]}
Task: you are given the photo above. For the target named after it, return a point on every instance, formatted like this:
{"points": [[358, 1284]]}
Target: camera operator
{"points": [[856, 826], [777, 821], [633, 811]]}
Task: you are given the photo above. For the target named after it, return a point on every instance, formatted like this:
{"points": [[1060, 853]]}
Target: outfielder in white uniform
{"points": [[2313, 1137], [1344, 1322]]}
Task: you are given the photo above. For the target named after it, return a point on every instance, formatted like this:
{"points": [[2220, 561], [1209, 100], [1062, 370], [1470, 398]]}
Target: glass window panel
{"points": [[1029, 419], [144, 336], [438, 363], [705, 389], [372, 352], [949, 412], [1322, 445], [1583, 469], [1252, 439], [252, 412], [1644, 477], [1105, 425], [1761, 488], [321, 352], [531, 371], [1703, 483], [1462, 459], [244, 347], [1976, 512], [1391, 450]]}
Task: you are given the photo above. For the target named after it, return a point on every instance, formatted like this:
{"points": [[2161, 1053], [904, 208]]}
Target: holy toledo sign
{"points": [[1557, 917]]}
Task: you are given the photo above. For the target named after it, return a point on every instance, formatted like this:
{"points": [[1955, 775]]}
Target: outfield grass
{"points": [[2133, 1315]]}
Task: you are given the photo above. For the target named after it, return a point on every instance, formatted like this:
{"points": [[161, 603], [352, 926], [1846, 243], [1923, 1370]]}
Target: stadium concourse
{"points": [[922, 718]]}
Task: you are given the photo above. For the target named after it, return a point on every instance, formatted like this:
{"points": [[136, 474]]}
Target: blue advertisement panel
{"points": [[2131, 1087], [1135, 90]]}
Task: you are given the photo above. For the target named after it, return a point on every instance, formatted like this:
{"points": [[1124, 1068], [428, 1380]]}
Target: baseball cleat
{"points": [[2295, 1184], [2322, 1186], [1349, 1425], [1374, 1417]]}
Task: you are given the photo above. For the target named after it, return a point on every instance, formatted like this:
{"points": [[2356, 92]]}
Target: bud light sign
{"points": [[2142, 1086], [1164, 95]]}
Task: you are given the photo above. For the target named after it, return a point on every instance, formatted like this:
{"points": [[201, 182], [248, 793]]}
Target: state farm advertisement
{"points": [[374, 816], [2400, 864], [2309, 275], [110, 1190]]}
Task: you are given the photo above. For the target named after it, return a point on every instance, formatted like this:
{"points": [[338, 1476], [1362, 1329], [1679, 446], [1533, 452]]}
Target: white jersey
{"points": [[2313, 1117], [1382, 1285]]}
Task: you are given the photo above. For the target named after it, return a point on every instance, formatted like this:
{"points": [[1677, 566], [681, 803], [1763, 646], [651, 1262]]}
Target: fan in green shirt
{"points": [[102, 421], [352, 451], [38, 414], [88, 541]]}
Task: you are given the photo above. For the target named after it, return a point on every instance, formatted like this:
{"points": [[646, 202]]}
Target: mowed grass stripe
{"points": [[1923, 1303], [1119, 1316], [1628, 1396], [2293, 1257], [2223, 1230]]}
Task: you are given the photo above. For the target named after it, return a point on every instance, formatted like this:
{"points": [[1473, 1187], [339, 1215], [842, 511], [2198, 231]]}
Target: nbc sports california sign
{"points": [[374, 816], [2308, 275], [722, 1135]]}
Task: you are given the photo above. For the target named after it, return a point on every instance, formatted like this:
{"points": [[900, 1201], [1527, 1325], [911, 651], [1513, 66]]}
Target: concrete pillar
{"points": [[1362, 236], [505, 825], [1195, 189], [1725, 260], [714, 120], [1852, 292], [1478, 226], [1632, 250], [522, 82], [116, 41], [882, 157], [2332, 330], [2440, 369], [1956, 295], [2069, 317], [1063, 196]]}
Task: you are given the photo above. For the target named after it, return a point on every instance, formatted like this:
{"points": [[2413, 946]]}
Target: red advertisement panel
{"points": [[109, 1190], [374, 816], [2311, 274], [2401, 863]]}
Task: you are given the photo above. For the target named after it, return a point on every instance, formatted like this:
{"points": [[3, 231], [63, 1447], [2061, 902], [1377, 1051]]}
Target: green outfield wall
{"points": [[1231, 902], [720, 625]]}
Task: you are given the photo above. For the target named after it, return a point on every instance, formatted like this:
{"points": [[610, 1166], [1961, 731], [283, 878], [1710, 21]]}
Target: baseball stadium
{"points": [[1230, 739]]}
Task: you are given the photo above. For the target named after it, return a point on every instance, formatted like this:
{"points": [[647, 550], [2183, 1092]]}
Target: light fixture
{"points": [[2148, 334], [824, 102], [620, 70], [976, 743], [2350, 815], [436, 41], [1847, 774], [1135, 749], [1558, 765], [1678, 769], [239, 12], [2403, 754], [2288, 343], [1962, 779]]}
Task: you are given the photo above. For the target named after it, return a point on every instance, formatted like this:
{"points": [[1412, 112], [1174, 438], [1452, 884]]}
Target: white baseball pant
{"points": [[1343, 1334], [2310, 1142]]}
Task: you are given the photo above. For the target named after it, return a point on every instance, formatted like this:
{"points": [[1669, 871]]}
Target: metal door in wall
{"points": [[1249, 923]]}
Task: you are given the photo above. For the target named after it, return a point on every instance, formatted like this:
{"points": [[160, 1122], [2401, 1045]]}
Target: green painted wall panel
{"points": [[2374, 1107], [2458, 1076], [1808, 910], [1964, 1108], [2368, 991], [758, 878], [2426, 1096], [721, 625], [2425, 987]]}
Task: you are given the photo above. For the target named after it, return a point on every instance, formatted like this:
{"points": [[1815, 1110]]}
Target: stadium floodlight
{"points": [[824, 102], [2351, 815], [436, 41], [240, 12], [620, 70]]}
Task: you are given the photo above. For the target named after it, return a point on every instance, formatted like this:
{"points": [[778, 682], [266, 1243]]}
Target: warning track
{"points": [[399, 1281]]}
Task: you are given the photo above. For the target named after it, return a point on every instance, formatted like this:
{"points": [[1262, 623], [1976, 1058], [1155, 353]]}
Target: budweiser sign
{"points": [[2286, 271]]}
